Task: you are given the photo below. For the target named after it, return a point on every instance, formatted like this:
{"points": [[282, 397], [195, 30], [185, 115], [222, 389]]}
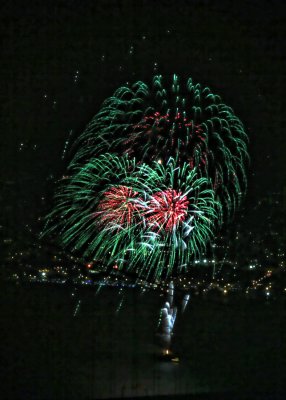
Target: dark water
{"points": [[52, 346]]}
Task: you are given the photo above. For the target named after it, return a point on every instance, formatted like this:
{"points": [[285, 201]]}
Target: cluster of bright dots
{"points": [[156, 119]]}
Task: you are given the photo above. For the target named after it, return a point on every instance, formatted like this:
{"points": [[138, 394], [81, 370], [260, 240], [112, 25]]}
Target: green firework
{"points": [[186, 122], [137, 245], [155, 173]]}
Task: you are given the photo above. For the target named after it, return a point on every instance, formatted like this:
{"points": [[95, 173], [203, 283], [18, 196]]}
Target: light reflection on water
{"points": [[219, 345], [103, 354]]}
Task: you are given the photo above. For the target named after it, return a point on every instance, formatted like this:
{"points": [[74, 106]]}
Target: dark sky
{"points": [[61, 59]]}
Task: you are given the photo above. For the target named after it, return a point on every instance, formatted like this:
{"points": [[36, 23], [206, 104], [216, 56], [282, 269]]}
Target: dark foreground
{"points": [[55, 347]]}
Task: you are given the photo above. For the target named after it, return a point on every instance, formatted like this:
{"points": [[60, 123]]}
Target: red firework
{"points": [[158, 126], [118, 206], [167, 209]]}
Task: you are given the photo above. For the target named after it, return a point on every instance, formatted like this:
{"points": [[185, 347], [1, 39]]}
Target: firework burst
{"points": [[166, 209], [186, 122], [120, 206], [156, 171]]}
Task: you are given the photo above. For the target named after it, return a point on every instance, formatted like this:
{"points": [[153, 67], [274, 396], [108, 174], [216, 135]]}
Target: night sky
{"points": [[61, 59]]}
